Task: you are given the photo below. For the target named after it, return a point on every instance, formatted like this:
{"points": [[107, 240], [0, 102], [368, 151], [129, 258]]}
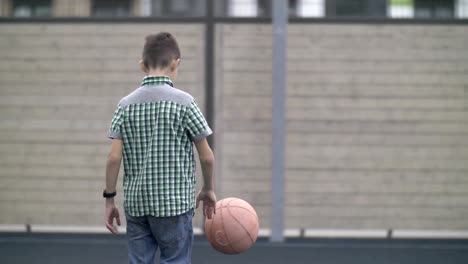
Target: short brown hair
{"points": [[159, 50]]}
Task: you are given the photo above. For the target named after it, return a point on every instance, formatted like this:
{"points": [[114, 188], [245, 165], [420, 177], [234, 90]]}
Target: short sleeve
{"points": [[116, 123], [196, 125]]}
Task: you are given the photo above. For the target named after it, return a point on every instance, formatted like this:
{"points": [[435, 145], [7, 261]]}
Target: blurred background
{"points": [[376, 120]]}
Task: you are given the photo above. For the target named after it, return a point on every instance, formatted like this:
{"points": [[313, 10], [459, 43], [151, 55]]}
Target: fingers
{"points": [[209, 213], [209, 204], [209, 209], [117, 217], [213, 201], [111, 228], [110, 220], [204, 209]]}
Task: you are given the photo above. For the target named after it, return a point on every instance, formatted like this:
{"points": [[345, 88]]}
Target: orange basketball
{"points": [[234, 227]]}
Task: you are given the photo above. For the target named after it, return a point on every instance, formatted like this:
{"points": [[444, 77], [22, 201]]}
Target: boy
{"points": [[153, 129]]}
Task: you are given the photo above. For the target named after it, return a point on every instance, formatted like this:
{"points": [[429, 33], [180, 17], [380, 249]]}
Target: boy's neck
{"points": [[158, 72]]}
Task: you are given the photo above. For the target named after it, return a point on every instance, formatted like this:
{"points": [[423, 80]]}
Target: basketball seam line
{"points": [[235, 206], [222, 223], [245, 229], [240, 207]]}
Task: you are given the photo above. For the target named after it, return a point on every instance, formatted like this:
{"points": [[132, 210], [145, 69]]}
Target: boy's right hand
{"points": [[111, 213], [208, 197]]}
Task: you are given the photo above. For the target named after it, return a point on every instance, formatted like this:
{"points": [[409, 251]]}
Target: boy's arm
{"points": [[114, 160], [207, 193]]}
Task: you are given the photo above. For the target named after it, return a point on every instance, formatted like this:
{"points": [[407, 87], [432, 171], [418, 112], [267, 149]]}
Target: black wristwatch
{"points": [[108, 195]]}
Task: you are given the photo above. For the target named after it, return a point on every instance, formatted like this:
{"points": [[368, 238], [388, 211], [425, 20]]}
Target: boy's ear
{"points": [[143, 67], [174, 65]]}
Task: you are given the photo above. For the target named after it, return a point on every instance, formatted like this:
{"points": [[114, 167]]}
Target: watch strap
{"points": [[108, 195]]}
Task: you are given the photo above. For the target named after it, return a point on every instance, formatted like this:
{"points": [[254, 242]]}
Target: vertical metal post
{"points": [[280, 21], [330, 8], [209, 68], [145, 8]]}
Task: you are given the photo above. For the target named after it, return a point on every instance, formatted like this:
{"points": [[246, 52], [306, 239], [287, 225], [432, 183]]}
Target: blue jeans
{"points": [[172, 235]]}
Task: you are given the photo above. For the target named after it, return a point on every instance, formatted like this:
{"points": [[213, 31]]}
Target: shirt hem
{"points": [[114, 135], [158, 215]]}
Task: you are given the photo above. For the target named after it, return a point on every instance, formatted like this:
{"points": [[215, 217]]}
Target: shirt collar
{"points": [[156, 80]]}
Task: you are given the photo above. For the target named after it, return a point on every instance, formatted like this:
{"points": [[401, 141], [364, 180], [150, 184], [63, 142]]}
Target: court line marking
{"points": [[84, 229], [366, 246], [345, 233], [289, 233], [69, 229], [79, 241], [430, 234], [13, 228], [263, 232]]}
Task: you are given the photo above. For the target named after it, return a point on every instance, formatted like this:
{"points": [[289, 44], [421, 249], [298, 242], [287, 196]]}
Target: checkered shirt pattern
{"points": [[158, 155]]}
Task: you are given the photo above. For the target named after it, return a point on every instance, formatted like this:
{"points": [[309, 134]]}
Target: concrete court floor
{"points": [[21, 248]]}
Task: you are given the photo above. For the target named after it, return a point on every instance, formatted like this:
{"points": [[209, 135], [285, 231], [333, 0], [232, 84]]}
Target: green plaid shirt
{"points": [[158, 124]]}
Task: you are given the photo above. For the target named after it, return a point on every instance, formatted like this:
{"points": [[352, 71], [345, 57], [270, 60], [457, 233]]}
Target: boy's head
{"points": [[161, 55]]}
